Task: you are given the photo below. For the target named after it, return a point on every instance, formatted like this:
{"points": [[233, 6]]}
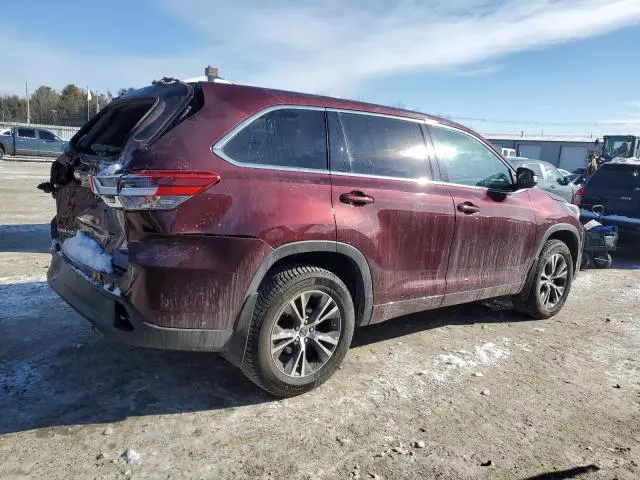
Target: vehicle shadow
{"points": [[627, 256], [31, 238], [564, 474], [55, 371]]}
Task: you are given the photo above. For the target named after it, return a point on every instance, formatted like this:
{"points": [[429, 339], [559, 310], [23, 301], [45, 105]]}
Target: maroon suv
{"points": [[267, 225]]}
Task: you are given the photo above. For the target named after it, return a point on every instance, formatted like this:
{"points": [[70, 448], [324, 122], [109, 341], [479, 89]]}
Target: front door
{"points": [[495, 232], [48, 143], [386, 207]]}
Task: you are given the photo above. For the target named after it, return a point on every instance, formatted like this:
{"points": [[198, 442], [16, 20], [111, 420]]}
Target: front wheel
{"points": [[300, 332], [551, 282]]}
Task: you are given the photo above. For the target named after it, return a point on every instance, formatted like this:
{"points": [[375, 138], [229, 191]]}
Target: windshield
{"points": [[617, 147]]}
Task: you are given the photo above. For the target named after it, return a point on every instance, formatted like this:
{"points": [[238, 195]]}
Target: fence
{"points": [[62, 131]]}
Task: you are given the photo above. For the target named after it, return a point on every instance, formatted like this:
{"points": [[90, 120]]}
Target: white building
{"points": [[564, 151]]}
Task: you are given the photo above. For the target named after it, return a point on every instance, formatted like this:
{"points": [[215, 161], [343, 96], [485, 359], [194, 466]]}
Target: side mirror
{"points": [[526, 178], [597, 142], [564, 181]]}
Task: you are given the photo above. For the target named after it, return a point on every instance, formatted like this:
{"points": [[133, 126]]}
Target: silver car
{"points": [[549, 177]]}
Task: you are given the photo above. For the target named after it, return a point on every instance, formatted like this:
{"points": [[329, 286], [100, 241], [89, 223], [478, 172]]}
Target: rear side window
{"points": [[44, 135], [375, 145], [282, 138], [619, 177], [27, 132], [466, 161]]}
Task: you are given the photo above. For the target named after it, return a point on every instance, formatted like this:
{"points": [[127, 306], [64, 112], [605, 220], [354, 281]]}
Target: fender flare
{"points": [[559, 227], [237, 344]]}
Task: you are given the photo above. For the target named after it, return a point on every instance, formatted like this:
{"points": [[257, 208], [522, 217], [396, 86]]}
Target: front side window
{"points": [[44, 135], [466, 161], [552, 174], [287, 137], [375, 145], [27, 133]]}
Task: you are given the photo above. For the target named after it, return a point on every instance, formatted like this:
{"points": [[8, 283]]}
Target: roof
{"points": [[542, 138], [267, 97]]}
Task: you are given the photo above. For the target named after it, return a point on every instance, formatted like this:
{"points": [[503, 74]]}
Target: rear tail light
{"points": [[579, 196], [152, 189]]}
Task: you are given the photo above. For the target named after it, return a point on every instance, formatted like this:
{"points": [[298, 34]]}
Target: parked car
{"points": [[30, 141], [549, 177], [267, 225], [616, 186], [575, 177]]}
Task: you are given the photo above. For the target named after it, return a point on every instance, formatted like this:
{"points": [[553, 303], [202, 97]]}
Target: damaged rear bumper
{"points": [[116, 318]]}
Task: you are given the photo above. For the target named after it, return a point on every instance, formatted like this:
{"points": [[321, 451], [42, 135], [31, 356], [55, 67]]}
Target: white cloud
{"points": [[331, 47]]}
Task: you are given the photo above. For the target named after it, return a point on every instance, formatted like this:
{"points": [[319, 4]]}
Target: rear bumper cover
{"points": [[116, 318]]}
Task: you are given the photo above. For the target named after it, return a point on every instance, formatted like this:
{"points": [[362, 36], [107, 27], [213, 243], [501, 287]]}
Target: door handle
{"points": [[356, 198], [467, 208]]}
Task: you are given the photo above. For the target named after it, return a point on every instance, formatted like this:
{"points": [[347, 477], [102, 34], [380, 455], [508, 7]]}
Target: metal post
{"points": [[26, 89]]}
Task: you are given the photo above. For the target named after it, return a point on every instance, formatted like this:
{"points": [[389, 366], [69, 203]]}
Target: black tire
{"points": [[1, 152], [274, 296], [531, 302], [602, 261]]}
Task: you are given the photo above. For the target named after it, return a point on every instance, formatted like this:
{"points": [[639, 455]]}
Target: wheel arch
{"points": [[344, 260], [569, 235]]}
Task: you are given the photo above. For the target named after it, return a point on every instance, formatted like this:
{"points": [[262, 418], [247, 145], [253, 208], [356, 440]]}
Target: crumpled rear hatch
{"points": [[89, 231]]}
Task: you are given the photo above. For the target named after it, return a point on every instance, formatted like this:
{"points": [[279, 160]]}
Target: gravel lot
{"points": [[469, 392]]}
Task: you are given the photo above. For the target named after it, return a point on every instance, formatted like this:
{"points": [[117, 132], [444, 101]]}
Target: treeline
{"points": [[46, 105]]}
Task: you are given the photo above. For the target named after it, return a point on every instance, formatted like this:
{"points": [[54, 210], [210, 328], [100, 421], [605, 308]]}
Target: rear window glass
{"points": [[26, 133], [374, 145], [283, 138], [619, 177]]}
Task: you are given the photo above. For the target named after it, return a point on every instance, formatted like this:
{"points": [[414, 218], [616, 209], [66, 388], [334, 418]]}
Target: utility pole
{"points": [[26, 89]]}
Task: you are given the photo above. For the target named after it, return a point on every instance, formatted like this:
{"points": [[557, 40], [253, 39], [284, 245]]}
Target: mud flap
{"points": [[238, 343]]}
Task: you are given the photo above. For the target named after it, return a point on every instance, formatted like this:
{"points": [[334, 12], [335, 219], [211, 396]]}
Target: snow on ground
{"points": [[85, 250], [464, 361]]}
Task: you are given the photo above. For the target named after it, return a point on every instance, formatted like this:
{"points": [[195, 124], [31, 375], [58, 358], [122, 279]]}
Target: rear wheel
{"points": [[1, 152], [550, 284], [300, 332]]}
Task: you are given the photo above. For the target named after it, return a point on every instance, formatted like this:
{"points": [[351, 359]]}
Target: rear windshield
{"points": [[139, 116], [618, 177], [111, 132]]}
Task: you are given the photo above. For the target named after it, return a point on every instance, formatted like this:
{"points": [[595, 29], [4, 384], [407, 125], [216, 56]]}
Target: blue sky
{"points": [[571, 62]]}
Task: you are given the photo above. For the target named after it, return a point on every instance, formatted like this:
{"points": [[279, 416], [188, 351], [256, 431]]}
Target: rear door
{"points": [[615, 186], [386, 207], [26, 141], [495, 231]]}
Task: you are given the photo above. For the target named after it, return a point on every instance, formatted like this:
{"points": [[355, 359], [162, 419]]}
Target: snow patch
{"points": [[85, 250], [482, 355]]}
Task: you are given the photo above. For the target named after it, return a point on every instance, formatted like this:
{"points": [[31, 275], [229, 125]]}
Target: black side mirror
{"points": [[564, 181], [526, 178], [597, 142]]}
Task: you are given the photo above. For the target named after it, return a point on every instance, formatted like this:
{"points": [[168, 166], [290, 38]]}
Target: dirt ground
{"points": [[469, 392]]}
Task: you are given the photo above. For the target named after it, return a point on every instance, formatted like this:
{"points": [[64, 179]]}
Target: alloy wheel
{"points": [[553, 280], [306, 333]]}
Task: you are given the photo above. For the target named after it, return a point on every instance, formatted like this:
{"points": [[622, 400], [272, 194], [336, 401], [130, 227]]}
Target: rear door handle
{"points": [[356, 198], [467, 208]]}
